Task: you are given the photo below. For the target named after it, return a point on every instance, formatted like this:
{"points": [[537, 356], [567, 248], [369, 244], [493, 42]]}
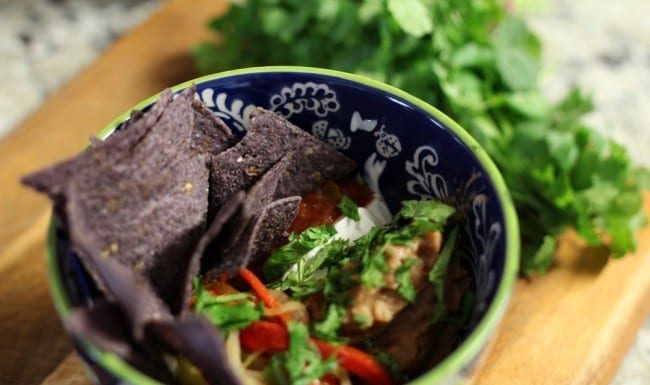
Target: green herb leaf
{"points": [[429, 210], [328, 328], [438, 272], [227, 312], [299, 245], [363, 320], [404, 279], [412, 16], [301, 364], [303, 281], [374, 267], [349, 208]]}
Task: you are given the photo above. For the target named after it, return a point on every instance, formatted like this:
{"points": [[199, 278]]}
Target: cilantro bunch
{"points": [[480, 65]]}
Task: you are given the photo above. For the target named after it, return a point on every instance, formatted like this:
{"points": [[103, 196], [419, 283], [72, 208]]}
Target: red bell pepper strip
{"points": [[261, 291], [357, 362], [272, 337], [264, 336]]}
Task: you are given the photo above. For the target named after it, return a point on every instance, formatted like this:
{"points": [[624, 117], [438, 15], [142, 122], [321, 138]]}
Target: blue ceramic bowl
{"points": [[403, 147]]}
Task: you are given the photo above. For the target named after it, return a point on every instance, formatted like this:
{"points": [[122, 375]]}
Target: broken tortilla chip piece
{"points": [[131, 292], [147, 219], [270, 137], [314, 161], [260, 237], [53, 180], [196, 339], [225, 213], [141, 195], [259, 195], [104, 326]]}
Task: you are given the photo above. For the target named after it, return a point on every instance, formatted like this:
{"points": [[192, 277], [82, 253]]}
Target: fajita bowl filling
{"points": [[259, 261]]}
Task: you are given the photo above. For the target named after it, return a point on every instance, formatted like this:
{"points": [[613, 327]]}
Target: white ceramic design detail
{"points": [[310, 96], [373, 168], [238, 113], [483, 243], [427, 183], [359, 123], [387, 145], [335, 137]]}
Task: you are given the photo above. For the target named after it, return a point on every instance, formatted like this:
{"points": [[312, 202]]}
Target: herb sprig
{"points": [[302, 363], [479, 64], [349, 208], [227, 312]]}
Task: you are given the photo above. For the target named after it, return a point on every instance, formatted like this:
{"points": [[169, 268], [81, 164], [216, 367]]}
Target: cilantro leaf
{"points": [[412, 16], [349, 208], [429, 210], [374, 266], [363, 320], [299, 245], [438, 272], [301, 364], [404, 280], [302, 281], [227, 312], [328, 328]]}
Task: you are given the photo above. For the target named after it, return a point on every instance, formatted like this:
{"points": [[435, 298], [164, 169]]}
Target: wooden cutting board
{"points": [[572, 326]]}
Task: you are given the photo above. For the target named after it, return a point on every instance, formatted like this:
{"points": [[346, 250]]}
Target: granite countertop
{"points": [[602, 46]]}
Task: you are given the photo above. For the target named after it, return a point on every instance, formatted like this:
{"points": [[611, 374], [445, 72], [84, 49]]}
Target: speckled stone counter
{"points": [[43, 44], [603, 46]]}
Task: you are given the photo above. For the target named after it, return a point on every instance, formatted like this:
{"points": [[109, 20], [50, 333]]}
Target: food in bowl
{"points": [[258, 261]]}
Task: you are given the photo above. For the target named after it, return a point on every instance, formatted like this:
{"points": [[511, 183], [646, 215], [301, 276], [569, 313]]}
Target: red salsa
{"points": [[319, 207]]}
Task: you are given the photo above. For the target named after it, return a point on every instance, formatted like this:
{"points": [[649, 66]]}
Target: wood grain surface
{"points": [[572, 326]]}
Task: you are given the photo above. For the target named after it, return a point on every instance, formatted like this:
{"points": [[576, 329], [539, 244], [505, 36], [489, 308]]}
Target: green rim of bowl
{"points": [[461, 357]]}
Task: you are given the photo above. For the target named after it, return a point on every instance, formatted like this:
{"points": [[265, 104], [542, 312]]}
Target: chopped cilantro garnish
{"points": [[429, 210], [302, 280], [299, 245], [227, 312], [349, 208], [328, 328], [439, 272], [301, 364], [363, 320], [404, 279], [374, 267]]}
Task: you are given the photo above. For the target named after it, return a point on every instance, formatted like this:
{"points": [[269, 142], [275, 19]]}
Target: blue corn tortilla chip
{"points": [[260, 237], [130, 291], [270, 229], [314, 161], [149, 222], [260, 195], [196, 339], [141, 196], [104, 326], [53, 180], [270, 137], [225, 214]]}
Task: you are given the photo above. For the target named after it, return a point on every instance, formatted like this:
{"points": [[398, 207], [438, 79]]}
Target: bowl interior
{"points": [[403, 148]]}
